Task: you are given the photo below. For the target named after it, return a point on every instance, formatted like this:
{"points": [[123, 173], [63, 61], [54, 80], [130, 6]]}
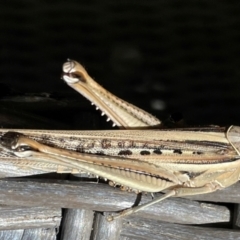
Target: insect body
{"points": [[143, 157]]}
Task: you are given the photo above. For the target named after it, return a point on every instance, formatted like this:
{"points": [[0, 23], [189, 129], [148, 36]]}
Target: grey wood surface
{"points": [[101, 197], [169, 219], [136, 228], [106, 230], [236, 216], [12, 217], [9, 169], [11, 234], [77, 224], [29, 234], [40, 234]]}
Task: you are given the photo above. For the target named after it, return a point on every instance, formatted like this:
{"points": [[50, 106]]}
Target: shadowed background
{"points": [[163, 56]]}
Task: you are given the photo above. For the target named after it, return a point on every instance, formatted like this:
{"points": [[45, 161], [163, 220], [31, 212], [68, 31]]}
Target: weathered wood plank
{"points": [[136, 228], [12, 217], [77, 224], [236, 216], [11, 234], [40, 234], [101, 197], [125, 238], [106, 230], [9, 169], [29, 234]]}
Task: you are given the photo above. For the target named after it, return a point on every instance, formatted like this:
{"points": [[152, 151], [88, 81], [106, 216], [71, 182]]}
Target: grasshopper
{"points": [[142, 156]]}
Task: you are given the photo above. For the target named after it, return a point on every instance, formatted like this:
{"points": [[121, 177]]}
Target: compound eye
{"points": [[24, 148]]}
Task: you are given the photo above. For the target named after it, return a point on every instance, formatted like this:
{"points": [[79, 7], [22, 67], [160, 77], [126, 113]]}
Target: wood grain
{"points": [[12, 217], [102, 198], [29, 234], [77, 224], [135, 228]]}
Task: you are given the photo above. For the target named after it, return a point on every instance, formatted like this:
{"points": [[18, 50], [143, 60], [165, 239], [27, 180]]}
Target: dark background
{"points": [[164, 56]]}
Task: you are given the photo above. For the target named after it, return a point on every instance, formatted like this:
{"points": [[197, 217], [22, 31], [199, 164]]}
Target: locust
{"points": [[142, 156]]}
